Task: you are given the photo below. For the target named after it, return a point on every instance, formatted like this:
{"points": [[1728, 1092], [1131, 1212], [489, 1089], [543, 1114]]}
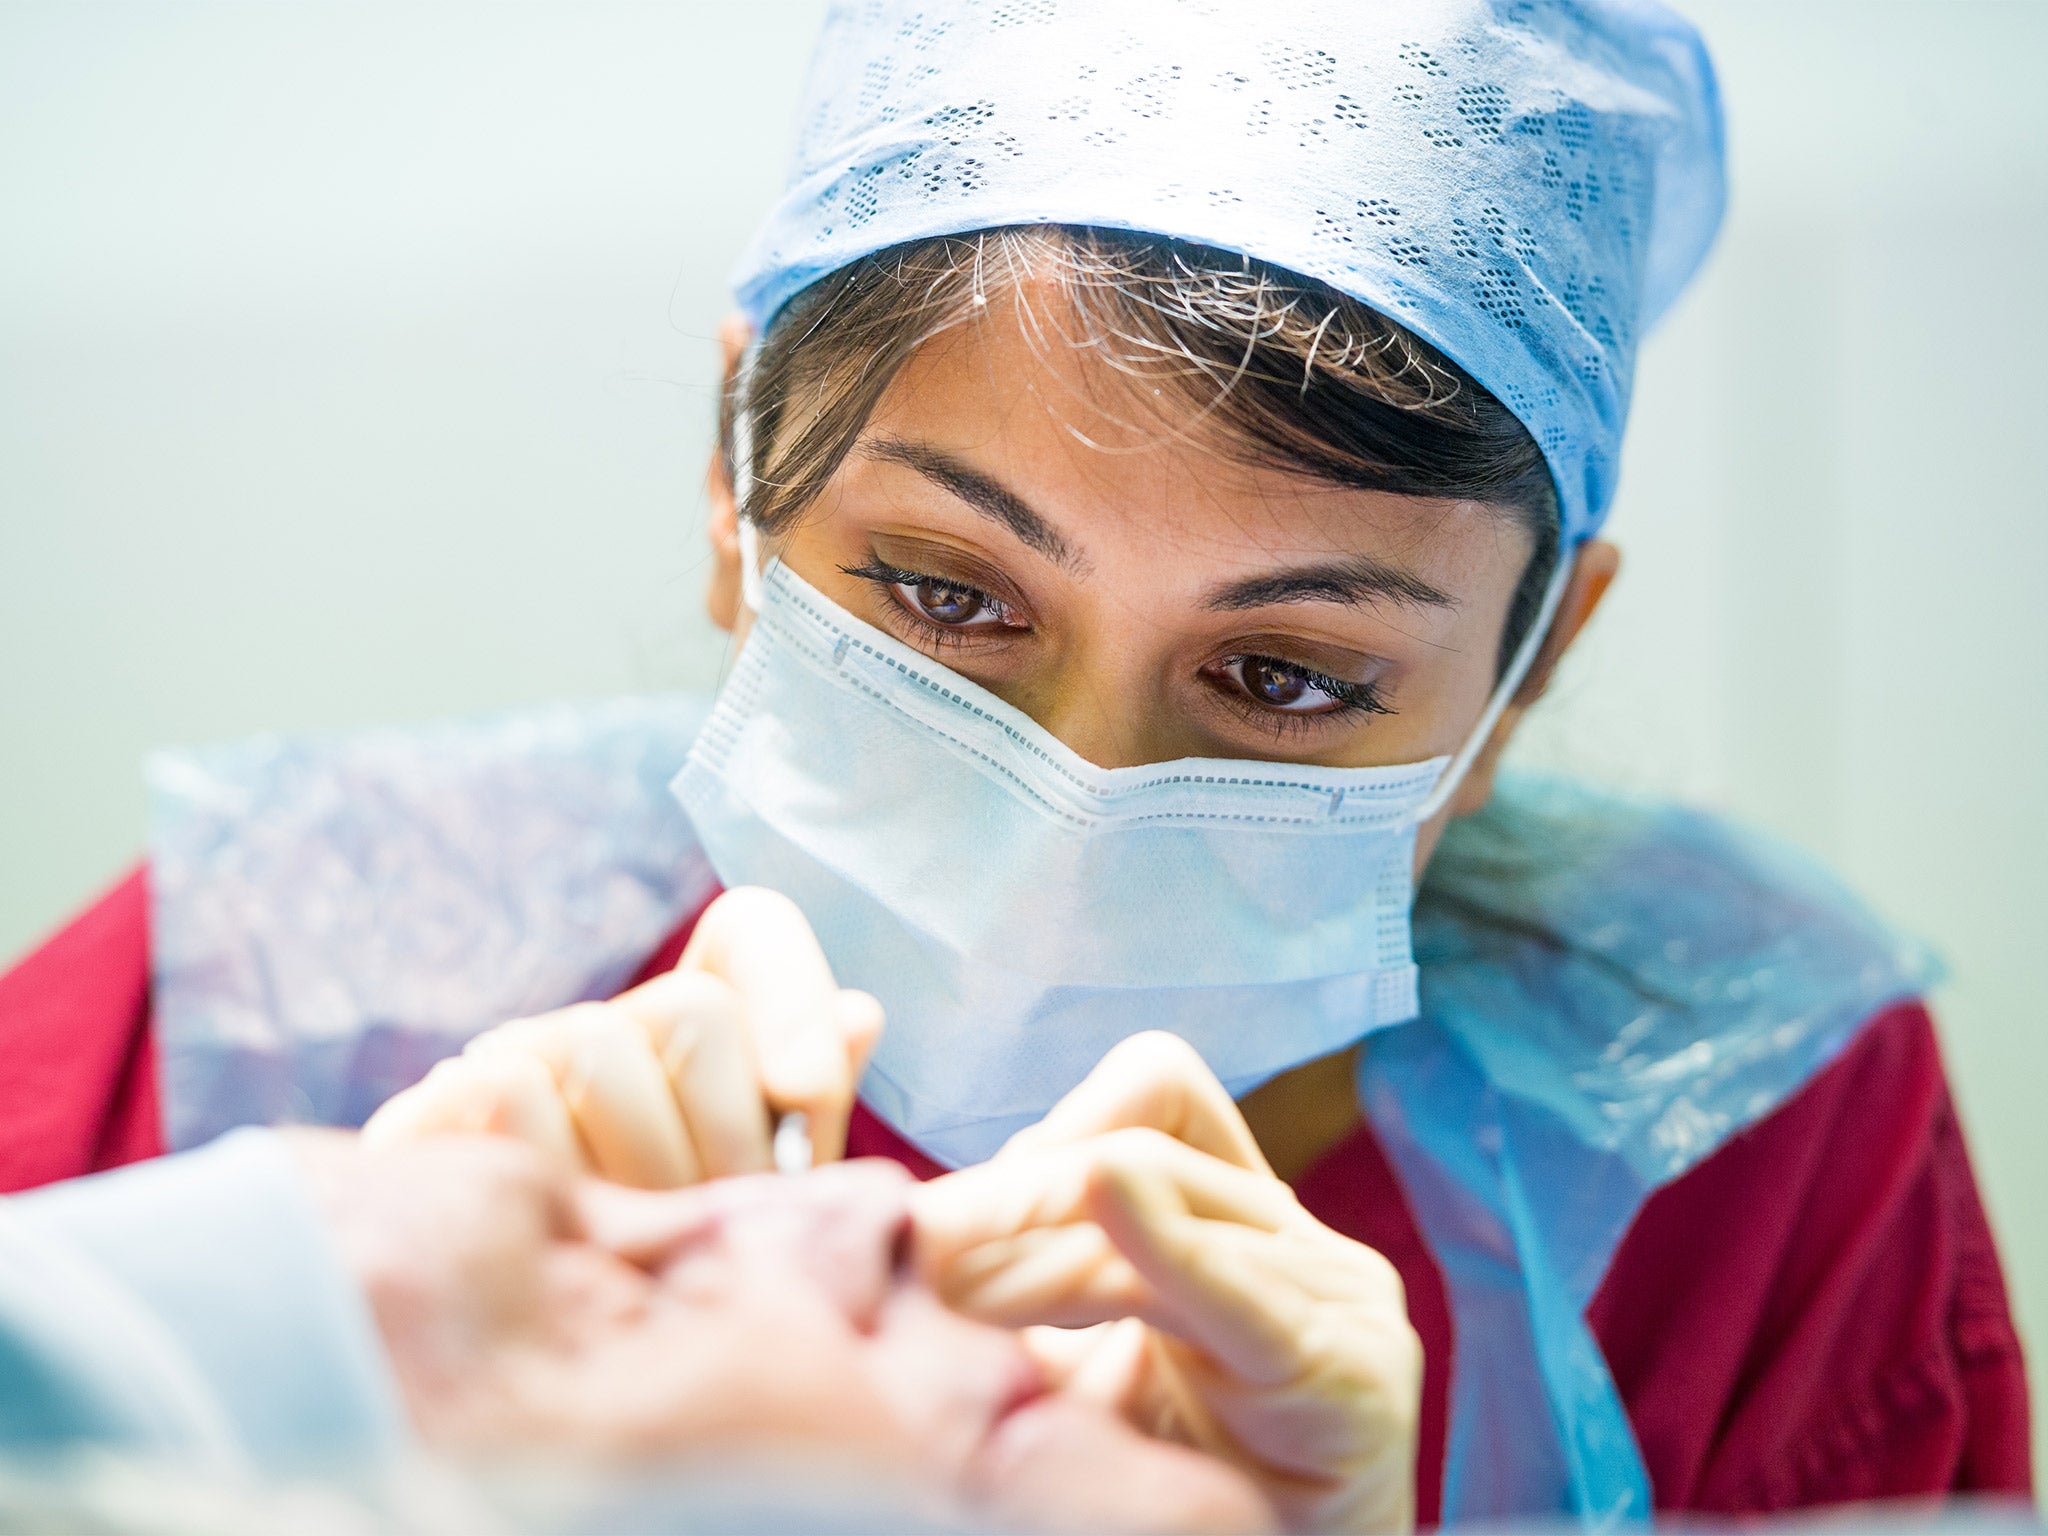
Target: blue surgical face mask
{"points": [[1018, 910]]}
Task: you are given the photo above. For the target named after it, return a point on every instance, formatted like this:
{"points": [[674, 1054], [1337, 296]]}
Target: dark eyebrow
{"points": [[987, 495], [1359, 579]]}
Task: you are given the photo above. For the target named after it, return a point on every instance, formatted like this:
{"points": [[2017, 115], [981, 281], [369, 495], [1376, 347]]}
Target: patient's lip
{"points": [[1038, 1433], [1025, 1385]]}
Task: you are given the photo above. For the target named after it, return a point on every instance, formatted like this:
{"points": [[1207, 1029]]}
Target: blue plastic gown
{"points": [[1610, 990]]}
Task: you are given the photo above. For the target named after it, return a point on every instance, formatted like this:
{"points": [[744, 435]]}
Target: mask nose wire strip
{"points": [[1503, 694]]}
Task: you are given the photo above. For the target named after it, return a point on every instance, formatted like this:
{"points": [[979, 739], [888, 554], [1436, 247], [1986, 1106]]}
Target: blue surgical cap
{"points": [[1526, 184]]}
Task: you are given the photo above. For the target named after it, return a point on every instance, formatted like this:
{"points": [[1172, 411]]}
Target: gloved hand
{"points": [[677, 1080], [1161, 1267]]}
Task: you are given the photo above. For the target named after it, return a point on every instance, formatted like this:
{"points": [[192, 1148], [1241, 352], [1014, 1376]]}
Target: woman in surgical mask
{"points": [[1163, 455]]}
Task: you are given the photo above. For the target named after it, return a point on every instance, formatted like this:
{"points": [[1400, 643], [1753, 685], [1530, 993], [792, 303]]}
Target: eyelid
{"points": [[1351, 701], [942, 560], [1341, 662], [1279, 723], [892, 578], [884, 574]]}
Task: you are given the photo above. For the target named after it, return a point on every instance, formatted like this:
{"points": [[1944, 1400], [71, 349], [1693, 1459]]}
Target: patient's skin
{"points": [[768, 1316]]}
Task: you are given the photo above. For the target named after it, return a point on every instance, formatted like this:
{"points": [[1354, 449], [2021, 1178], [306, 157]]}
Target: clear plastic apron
{"points": [[1610, 990]]}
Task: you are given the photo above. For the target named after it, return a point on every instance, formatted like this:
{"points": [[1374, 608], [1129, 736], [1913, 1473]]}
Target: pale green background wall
{"points": [[354, 367]]}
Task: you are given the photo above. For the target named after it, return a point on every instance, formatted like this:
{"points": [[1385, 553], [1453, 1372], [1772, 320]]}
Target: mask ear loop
{"points": [[1511, 682], [742, 482], [750, 567]]}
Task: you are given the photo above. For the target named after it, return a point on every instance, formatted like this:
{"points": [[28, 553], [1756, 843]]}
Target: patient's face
{"points": [[758, 1328], [788, 1307]]}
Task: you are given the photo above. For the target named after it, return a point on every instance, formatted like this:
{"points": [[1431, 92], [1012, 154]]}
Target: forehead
{"points": [[1114, 446]]}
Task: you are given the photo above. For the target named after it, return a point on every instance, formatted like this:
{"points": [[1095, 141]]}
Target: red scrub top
{"points": [[1813, 1315]]}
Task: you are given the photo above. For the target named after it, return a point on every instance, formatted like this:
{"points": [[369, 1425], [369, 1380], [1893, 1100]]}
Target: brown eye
{"points": [[944, 603], [1288, 688], [936, 603], [1274, 683]]}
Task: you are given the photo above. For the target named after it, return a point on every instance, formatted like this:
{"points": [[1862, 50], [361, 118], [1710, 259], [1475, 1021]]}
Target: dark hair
{"points": [[1282, 371]]}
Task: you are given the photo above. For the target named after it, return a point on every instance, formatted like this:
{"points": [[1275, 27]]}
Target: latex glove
{"points": [[1184, 1284], [677, 1080]]}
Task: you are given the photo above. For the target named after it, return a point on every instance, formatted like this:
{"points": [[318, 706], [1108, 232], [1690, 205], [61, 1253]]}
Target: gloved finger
{"points": [[1210, 1288], [1048, 1185], [758, 941], [967, 1222], [1062, 1277], [1016, 1240], [859, 1017], [614, 1087], [697, 1025], [1334, 1389], [465, 1096], [1156, 1080], [1098, 1362]]}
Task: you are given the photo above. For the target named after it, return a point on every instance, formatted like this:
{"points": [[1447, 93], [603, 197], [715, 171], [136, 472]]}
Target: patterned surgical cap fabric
{"points": [[1526, 184]]}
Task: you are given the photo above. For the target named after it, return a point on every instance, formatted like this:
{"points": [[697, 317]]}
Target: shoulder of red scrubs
{"points": [[77, 1064], [1816, 1314]]}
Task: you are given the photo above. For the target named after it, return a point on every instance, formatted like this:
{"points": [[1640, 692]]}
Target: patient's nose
{"points": [[844, 1227]]}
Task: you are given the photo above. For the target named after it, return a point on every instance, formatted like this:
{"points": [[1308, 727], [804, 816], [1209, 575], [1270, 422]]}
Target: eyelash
{"points": [[890, 576], [1352, 699]]}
